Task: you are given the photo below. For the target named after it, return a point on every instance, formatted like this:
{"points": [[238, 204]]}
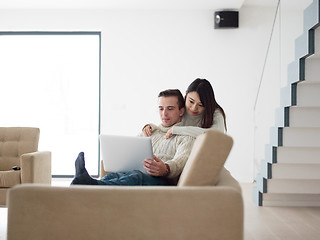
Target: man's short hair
{"points": [[174, 93]]}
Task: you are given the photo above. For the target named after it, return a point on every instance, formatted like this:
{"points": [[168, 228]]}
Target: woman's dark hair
{"points": [[173, 93], [206, 94]]}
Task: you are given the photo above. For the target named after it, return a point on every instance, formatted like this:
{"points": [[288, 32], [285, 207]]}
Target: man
{"points": [[170, 155]]}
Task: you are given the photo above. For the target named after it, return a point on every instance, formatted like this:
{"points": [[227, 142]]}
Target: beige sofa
{"points": [[206, 204]]}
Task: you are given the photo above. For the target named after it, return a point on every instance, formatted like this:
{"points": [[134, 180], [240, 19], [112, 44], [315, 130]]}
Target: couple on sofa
{"points": [[182, 121]]}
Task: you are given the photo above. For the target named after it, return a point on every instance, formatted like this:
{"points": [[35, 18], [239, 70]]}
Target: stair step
{"points": [[301, 48], [291, 200], [317, 41], [293, 71], [284, 199], [293, 186], [298, 155], [308, 93], [310, 15], [300, 137], [304, 116], [257, 196], [312, 70], [289, 170], [295, 171]]}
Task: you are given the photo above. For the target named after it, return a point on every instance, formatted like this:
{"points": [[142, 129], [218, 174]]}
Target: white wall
{"points": [[146, 51]]}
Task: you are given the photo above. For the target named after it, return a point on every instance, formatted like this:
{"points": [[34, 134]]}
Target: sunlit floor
{"points": [[267, 223], [260, 223]]}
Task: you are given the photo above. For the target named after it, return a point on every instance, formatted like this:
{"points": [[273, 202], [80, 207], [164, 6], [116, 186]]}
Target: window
{"points": [[51, 80]]}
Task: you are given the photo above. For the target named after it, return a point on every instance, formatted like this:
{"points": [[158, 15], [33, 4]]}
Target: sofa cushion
{"points": [[207, 158], [15, 141], [9, 178]]}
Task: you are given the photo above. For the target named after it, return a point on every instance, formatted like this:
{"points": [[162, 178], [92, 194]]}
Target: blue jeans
{"points": [[131, 178]]}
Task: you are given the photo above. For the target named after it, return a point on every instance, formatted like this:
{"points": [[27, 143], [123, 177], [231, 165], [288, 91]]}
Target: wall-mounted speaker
{"points": [[226, 19]]}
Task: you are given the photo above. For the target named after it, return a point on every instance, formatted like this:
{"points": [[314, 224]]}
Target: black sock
{"points": [[80, 165], [84, 179]]}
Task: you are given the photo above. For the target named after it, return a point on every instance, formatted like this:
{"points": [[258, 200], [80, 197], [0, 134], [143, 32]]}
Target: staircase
{"points": [[290, 173]]}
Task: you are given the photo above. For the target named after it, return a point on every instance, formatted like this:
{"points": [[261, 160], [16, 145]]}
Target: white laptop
{"points": [[124, 153]]}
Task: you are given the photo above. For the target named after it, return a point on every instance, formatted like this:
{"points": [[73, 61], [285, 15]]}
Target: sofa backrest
{"points": [[15, 141], [207, 158]]}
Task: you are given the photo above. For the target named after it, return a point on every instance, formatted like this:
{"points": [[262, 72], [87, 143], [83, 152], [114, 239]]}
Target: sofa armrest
{"points": [[100, 212], [226, 179], [36, 167]]}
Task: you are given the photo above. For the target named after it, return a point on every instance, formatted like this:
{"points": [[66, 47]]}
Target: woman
{"points": [[202, 112]]}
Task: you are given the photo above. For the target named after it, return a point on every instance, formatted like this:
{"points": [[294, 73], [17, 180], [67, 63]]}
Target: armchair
{"points": [[19, 148]]}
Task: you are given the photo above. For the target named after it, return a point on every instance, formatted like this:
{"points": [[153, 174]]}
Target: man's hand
{"points": [[169, 133], [147, 130], [155, 167]]}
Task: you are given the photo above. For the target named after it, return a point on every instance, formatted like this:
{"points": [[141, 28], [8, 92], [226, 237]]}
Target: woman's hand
{"points": [[169, 133], [147, 130], [155, 166]]}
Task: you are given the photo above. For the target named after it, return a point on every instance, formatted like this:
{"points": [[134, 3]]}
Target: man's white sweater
{"points": [[173, 151]]}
